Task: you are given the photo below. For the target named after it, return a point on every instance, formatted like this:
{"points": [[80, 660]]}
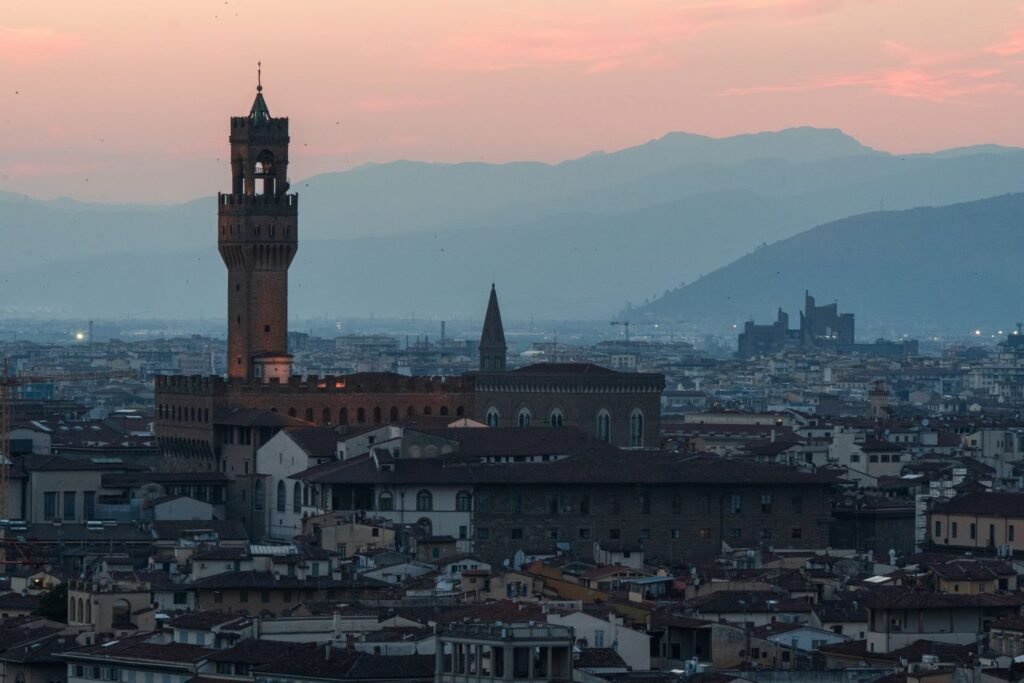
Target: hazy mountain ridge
{"points": [[952, 265], [578, 262], [576, 239]]}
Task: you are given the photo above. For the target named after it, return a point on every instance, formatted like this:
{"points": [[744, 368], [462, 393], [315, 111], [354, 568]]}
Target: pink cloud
{"points": [[632, 37], [920, 74], [35, 44], [909, 82], [595, 50], [1013, 45]]}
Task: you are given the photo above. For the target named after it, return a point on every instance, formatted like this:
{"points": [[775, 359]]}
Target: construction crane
{"points": [[7, 382], [624, 323]]}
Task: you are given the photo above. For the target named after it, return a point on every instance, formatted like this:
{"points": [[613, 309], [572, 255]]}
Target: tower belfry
{"points": [[257, 238]]}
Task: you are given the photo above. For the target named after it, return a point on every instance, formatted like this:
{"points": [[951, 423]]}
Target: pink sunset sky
{"points": [[128, 101]]}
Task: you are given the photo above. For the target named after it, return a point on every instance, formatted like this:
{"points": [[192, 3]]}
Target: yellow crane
{"points": [[7, 382]]}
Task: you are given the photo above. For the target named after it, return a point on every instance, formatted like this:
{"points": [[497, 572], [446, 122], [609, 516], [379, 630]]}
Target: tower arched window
{"points": [[424, 501], [281, 497], [297, 498], [604, 426], [556, 419], [524, 418], [636, 429], [463, 501], [258, 495], [385, 503], [492, 417]]}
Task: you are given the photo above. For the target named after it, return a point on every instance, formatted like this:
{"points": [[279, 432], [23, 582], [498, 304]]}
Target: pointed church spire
{"points": [[259, 112], [493, 349]]}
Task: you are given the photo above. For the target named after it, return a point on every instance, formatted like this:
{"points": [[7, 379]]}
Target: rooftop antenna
{"points": [[259, 76]]}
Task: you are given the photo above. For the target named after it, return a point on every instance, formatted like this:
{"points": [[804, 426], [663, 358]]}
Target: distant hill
{"points": [[958, 265], [576, 239], [565, 266]]}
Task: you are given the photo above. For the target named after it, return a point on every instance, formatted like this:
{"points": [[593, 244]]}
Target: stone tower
{"points": [[257, 226], [493, 349]]}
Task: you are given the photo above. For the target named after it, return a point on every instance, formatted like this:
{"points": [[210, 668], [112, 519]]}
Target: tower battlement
{"points": [[228, 200], [244, 125], [359, 383]]}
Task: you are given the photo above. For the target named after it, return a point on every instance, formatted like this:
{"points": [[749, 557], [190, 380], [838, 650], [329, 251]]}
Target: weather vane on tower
{"points": [[259, 76]]}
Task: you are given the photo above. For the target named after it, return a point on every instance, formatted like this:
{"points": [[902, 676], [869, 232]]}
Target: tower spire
{"points": [[493, 350]]}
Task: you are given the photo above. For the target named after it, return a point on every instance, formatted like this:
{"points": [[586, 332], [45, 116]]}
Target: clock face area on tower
{"points": [[257, 239]]}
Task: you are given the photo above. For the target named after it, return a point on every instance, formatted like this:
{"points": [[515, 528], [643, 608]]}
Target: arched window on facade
{"points": [[88, 612], [393, 415], [556, 419], [636, 429], [258, 494], [281, 497], [325, 416], [361, 415], [463, 501], [460, 411], [297, 498], [385, 503], [376, 415], [424, 501], [524, 418], [428, 411], [291, 412], [604, 426], [305, 494], [444, 410], [122, 614], [343, 416], [492, 417], [410, 411], [309, 414]]}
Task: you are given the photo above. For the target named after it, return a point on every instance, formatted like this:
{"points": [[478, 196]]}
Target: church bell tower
{"points": [[257, 225]]}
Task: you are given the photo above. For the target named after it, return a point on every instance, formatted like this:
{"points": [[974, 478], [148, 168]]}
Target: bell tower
{"points": [[257, 225]]}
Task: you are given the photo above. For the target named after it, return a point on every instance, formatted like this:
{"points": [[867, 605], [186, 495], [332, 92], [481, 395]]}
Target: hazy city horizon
{"points": [[560, 403]]}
